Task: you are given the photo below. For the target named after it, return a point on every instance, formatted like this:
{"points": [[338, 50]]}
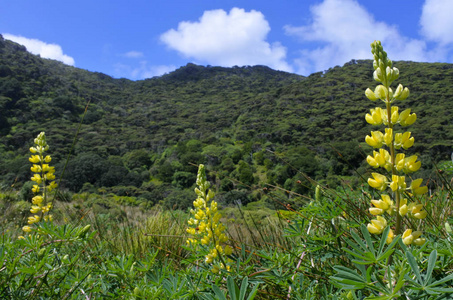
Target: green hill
{"points": [[250, 124]]}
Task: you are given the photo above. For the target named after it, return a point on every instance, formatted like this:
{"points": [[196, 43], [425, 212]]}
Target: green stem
{"points": [[393, 162]]}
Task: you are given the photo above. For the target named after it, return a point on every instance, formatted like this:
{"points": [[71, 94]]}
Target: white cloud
{"points": [[344, 30], [52, 51], [143, 70], [133, 54], [228, 39], [437, 21]]}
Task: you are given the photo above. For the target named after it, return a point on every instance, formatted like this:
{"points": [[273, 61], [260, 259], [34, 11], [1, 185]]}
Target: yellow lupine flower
{"points": [[388, 136], [403, 209], [37, 200], [404, 140], [406, 118], [416, 211], [416, 188], [26, 228], [398, 183], [35, 188], [381, 206], [395, 115], [35, 209], [37, 178], [378, 181], [33, 219], [375, 116], [407, 237], [377, 225], [376, 140], [34, 159]]}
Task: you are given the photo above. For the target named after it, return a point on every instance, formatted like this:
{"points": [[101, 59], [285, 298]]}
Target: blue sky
{"points": [[139, 39]]}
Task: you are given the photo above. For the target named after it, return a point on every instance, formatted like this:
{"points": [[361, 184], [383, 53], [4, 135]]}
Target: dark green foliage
{"points": [[247, 124]]}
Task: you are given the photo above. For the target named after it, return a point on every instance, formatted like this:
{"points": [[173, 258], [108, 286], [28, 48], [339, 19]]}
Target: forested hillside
{"points": [[251, 126]]}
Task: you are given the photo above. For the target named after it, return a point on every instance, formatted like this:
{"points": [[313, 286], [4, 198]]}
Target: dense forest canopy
{"points": [[250, 125]]}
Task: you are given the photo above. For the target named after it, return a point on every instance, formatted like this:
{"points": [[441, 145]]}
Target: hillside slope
{"points": [[246, 123]]}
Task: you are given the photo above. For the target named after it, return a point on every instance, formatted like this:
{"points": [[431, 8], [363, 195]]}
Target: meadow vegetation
{"points": [[268, 219]]}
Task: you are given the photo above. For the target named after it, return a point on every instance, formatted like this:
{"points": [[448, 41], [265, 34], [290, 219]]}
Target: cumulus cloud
{"points": [[344, 30], [52, 51], [227, 39], [437, 21]]}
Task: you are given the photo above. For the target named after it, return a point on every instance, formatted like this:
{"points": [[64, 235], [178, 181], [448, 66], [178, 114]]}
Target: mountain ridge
{"points": [[237, 117]]}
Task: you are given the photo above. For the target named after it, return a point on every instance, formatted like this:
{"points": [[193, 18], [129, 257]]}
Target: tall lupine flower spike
{"points": [[397, 163], [206, 228], [44, 182]]}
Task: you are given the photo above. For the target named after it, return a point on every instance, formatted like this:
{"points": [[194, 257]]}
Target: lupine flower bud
{"points": [[404, 94], [377, 75], [381, 92], [370, 95], [398, 91], [406, 118]]}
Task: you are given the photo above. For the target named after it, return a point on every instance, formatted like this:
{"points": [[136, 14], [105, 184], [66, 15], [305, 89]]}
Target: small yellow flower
{"points": [[26, 228], [407, 237], [375, 116], [378, 181], [398, 183], [404, 140], [35, 188], [377, 225], [376, 140], [416, 188], [34, 159], [33, 219], [37, 200], [406, 118], [35, 209]]}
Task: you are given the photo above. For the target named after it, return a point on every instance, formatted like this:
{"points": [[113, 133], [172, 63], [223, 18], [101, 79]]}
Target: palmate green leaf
{"points": [[359, 241], [218, 292], [431, 263], [414, 266], [233, 290], [364, 260], [348, 278], [244, 285], [443, 280]]}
